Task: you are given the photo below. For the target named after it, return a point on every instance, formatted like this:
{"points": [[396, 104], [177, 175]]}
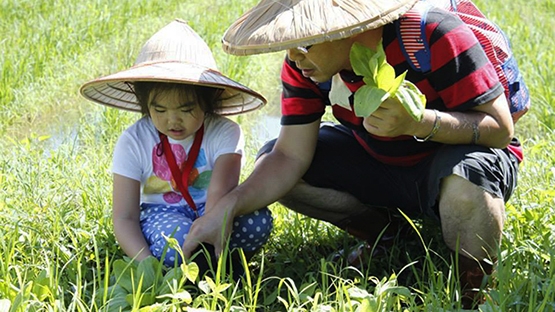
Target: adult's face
{"points": [[321, 61]]}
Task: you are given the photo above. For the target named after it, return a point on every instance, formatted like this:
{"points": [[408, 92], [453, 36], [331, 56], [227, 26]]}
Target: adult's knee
{"points": [[471, 218], [300, 193], [462, 199]]}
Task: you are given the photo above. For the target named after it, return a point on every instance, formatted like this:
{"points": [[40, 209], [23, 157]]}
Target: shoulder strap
{"points": [[181, 178], [413, 43]]}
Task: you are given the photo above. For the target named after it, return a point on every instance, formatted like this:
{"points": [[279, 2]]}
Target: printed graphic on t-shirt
{"points": [[162, 182]]}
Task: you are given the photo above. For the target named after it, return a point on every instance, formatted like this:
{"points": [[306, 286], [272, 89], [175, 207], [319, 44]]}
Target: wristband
{"points": [[435, 129]]}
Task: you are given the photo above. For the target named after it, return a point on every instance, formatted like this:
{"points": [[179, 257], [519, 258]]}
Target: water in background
{"points": [[266, 128]]}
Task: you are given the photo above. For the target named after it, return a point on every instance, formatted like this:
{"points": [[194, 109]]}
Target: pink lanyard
{"points": [[182, 178]]}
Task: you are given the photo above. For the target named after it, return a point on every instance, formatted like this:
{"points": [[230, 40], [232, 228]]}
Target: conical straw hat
{"points": [[275, 25], [176, 54]]}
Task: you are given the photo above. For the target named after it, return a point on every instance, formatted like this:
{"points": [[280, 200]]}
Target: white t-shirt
{"points": [[136, 156]]}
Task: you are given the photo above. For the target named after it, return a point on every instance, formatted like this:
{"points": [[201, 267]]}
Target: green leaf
{"points": [[412, 100], [170, 278], [144, 299], [191, 271], [374, 66], [360, 57], [396, 84], [204, 286], [183, 296], [147, 271], [385, 77], [118, 303], [116, 290], [368, 99], [172, 242], [41, 286], [222, 287], [380, 80], [122, 267], [369, 81], [123, 271], [157, 307], [398, 290], [272, 297], [367, 305], [380, 52]]}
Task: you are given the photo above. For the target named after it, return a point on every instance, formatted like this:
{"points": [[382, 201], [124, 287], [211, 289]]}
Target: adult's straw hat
{"points": [[176, 54], [275, 25]]}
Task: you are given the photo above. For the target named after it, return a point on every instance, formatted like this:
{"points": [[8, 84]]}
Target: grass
{"points": [[57, 249]]}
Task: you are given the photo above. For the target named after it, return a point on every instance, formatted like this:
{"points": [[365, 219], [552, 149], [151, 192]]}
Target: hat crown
{"points": [[177, 42], [279, 25], [174, 54]]}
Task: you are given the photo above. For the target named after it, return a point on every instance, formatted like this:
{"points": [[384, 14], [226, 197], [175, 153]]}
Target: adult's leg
{"points": [[475, 184], [472, 184], [471, 218], [472, 225], [348, 188], [340, 209]]}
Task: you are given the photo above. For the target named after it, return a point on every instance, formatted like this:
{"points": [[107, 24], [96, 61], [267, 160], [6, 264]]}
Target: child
{"points": [[175, 162]]}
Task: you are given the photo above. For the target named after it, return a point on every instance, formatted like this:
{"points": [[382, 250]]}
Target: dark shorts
{"points": [[340, 163]]}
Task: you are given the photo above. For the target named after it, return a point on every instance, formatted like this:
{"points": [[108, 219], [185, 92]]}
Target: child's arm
{"points": [[126, 212], [225, 176]]}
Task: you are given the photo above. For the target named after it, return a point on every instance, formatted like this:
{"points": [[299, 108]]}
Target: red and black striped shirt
{"points": [[461, 77]]}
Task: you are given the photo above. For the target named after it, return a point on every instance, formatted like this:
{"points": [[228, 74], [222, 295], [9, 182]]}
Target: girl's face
{"points": [[175, 114]]}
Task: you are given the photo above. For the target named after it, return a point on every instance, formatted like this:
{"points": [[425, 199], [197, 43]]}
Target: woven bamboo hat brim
{"points": [[275, 25], [176, 54]]}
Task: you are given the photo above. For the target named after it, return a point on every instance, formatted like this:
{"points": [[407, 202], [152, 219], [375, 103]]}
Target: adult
{"points": [[459, 163]]}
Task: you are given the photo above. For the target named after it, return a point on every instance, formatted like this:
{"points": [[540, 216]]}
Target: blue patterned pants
{"points": [[249, 231]]}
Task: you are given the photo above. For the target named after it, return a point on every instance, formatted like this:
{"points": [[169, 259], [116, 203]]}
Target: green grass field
{"points": [[57, 249]]}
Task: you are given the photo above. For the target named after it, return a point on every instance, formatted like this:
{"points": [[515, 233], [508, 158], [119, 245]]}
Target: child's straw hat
{"points": [[175, 54], [275, 25]]}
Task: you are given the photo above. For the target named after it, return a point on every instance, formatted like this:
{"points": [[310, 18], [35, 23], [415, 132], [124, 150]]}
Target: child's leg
{"points": [[157, 222], [251, 231]]}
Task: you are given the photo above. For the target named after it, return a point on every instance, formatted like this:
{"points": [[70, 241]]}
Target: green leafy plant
{"points": [[381, 83], [145, 283], [387, 293]]}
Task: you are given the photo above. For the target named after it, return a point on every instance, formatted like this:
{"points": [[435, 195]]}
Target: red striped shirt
{"points": [[461, 77]]}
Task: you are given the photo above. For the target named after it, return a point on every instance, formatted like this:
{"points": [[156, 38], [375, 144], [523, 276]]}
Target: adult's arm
{"points": [[474, 107], [489, 124], [126, 213], [273, 176]]}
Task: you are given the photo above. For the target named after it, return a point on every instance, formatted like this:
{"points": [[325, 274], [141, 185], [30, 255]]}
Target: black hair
{"points": [[207, 97]]}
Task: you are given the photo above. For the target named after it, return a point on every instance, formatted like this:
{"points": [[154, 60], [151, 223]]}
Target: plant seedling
{"points": [[381, 83]]}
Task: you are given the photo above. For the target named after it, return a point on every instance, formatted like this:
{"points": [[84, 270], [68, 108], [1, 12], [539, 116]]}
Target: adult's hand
{"points": [[390, 120], [274, 175], [213, 228]]}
